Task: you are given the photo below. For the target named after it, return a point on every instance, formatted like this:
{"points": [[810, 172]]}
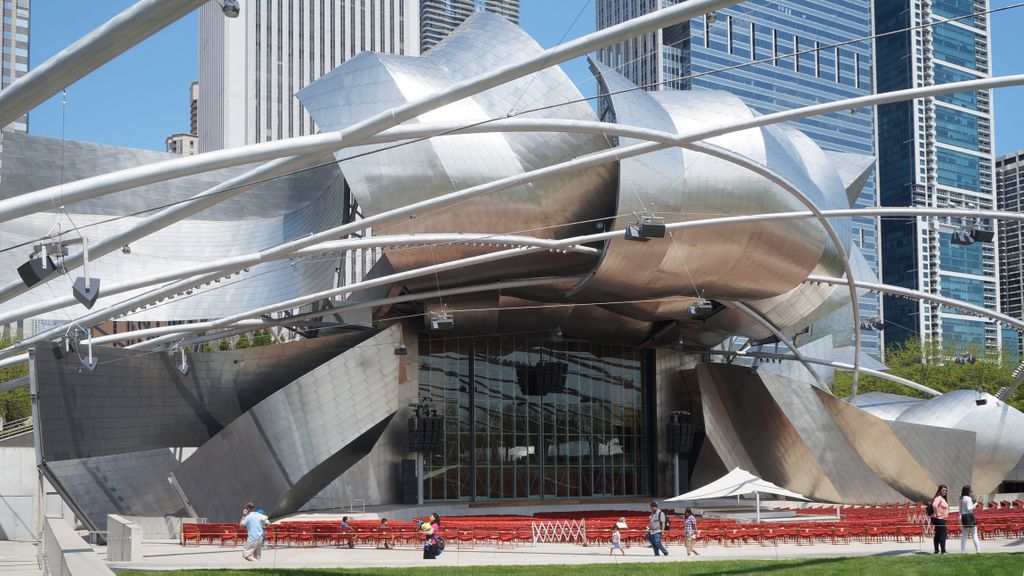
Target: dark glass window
{"points": [[958, 169], [956, 128], [946, 75], [954, 45], [957, 258], [526, 417]]}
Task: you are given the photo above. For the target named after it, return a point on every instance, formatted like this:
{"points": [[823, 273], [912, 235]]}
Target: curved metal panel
{"points": [[999, 428], [296, 442], [390, 178], [911, 458], [134, 402]]}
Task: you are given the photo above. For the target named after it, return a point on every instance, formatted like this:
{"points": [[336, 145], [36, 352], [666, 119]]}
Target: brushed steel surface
{"points": [[999, 430], [133, 483], [134, 402], [779, 430], [274, 212], [912, 458], [292, 445], [554, 208]]}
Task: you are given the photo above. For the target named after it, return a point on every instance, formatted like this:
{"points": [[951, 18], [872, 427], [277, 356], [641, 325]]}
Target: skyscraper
{"points": [[439, 17], [250, 67], [1010, 198], [936, 152], [14, 55], [746, 50]]}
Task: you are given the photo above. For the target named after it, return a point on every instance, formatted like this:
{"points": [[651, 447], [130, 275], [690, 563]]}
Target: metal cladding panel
{"points": [[296, 442], [998, 426], [133, 483], [749, 430], [911, 458], [852, 478], [780, 430], [713, 262], [134, 402], [884, 405], [279, 210], [396, 177]]}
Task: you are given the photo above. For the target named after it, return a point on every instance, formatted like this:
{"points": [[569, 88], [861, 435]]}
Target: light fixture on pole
{"points": [[89, 361], [874, 323], [647, 227], [965, 358], [980, 399], [678, 344], [85, 289], [183, 365], [230, 8], [441, 321]]}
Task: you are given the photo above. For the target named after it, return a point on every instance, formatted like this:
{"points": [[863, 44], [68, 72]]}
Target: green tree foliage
{"points": [[934, 369], [224, 345], [262, 338], [15, 404], [242, 342]]}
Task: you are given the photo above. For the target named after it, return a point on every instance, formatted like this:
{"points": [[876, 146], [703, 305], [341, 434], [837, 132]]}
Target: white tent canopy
{"points": [[737, 483]]}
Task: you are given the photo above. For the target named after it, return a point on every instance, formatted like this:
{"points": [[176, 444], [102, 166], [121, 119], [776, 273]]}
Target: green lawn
{"points": [[923, 564]]}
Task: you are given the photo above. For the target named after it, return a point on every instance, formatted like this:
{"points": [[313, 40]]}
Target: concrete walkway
{"points": [[167, 555], [18, 559]]}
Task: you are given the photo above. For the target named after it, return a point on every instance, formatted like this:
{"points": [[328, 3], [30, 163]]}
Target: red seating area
{"points": [[877, 523]]}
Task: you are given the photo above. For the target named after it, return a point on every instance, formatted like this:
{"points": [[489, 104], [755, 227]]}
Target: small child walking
{"points": [[616, 541]]}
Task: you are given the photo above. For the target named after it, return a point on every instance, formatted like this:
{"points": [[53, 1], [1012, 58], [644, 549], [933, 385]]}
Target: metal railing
{"points": [[15, 428]]}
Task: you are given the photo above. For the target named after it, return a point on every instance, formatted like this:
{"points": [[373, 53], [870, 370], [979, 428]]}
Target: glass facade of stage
{"points": [[528, 417]]}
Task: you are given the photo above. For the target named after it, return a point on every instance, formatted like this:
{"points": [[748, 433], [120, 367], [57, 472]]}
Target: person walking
{"points": [[689, 531], [616, 541], [939, 514], [967, 521], [655, 528], [254, 522]]}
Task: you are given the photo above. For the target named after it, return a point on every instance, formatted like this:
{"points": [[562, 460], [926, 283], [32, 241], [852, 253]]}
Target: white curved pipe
{"points": [[88, 53], [360, 131], [333, 246], [782, 338], [821, 362]]}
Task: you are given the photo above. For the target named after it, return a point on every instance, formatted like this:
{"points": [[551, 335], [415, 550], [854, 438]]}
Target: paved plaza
{"points": [[168, 555], [18, 559]]}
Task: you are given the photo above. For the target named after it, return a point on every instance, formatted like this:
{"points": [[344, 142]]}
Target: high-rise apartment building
{"points": [[748, 50], [250, 67], [14, 53], [1010, 198], [439, 17], [936, 152]]}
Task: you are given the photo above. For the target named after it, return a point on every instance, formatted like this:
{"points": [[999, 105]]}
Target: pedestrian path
{"points": [[18, 559], [168, 555]]}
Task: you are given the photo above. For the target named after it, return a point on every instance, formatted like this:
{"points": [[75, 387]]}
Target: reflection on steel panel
{"points": [[780, 430], [276, 211], [140, 401], [999, 428], [553, 208], [293, 444], [911, 458], [884, 405], [133, 483]]}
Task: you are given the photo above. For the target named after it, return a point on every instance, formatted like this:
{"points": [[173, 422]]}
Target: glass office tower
{"points": [[747, 50], [936, 152]]}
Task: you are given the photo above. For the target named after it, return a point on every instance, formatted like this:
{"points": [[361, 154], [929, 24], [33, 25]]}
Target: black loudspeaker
{"points": [[32, 272], [425, 433], [679, 433], [982, 235], [542, 378], [86, 294], [409, 483]]}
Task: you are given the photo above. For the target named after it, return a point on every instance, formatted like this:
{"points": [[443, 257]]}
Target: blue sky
{"points": [[142, 96]]}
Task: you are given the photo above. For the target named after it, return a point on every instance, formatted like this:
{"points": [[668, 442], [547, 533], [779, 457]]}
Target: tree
{"points": [[262, 338], [14, 404], [935, 369], [224, 345], [242, 342]]}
